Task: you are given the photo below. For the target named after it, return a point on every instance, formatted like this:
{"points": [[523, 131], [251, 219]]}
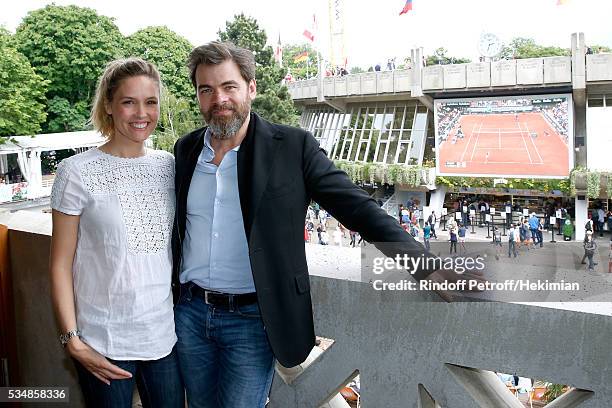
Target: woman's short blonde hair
{"points": [[115, 72]]}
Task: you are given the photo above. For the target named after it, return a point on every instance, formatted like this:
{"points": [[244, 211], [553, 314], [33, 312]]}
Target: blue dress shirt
{"points": [[215, 250]]}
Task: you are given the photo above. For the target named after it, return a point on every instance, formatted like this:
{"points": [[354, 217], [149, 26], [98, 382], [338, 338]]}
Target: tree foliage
{"points": [[22, 92], [168, 51], [273, 101], [440, 57], [176, 119], [521, 47], [68, 46], [301, 69]]}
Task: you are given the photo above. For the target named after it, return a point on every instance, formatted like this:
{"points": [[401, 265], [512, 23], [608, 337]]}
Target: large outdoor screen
{"points": [[510, 136]]}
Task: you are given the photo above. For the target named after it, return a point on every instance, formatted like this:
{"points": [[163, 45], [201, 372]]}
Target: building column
{"points": [[436, 201], [581, 216], [579, 97]]}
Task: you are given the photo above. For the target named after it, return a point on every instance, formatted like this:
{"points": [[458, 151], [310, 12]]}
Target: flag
{"points": [[303, 56], [309, 32], [278, 52], [309, 35], [408, 7]]}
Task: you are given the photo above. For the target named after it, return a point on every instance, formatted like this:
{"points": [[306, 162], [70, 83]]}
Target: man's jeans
{"points": [[511, 248], [534, 235], [224, 355], [158, 381]]}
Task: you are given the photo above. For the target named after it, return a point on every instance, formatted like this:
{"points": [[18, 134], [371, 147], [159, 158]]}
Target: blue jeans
{"points": [[158, 381], [224, 355], [511, 248]]}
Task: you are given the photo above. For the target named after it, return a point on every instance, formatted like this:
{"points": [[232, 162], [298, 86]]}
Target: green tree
{"points": [[176, 119], [301, 69], [521, 47], [440, 57], [600, 48], [68, 46], [22, 92], [168, 51], [273, 101]]}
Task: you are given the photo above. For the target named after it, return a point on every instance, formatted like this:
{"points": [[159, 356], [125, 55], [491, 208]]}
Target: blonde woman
{"points": [[110, 263]]}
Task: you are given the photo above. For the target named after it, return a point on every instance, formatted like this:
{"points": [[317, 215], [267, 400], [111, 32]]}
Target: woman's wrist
{"points": [[75, 345]]}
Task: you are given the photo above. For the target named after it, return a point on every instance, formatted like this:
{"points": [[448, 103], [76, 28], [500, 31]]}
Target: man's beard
{"points": [[226, 127]]}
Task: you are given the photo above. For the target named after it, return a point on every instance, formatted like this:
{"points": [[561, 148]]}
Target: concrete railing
{"points": [[503, 73], [549, 71], [408, 349], [413, 352], [367, 83], [599, 67]]}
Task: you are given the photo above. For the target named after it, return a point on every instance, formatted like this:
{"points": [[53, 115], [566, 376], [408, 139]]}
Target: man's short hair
{"points": [[217, 52]]}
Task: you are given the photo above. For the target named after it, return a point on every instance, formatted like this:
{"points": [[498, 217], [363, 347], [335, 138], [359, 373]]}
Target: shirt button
{"points": [[216, 235]]}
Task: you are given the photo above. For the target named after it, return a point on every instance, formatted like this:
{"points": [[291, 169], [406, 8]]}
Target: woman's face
{"points": [[135, 108]]}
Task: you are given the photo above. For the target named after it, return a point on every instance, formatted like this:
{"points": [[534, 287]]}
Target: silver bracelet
{"points": [[65, 338]]}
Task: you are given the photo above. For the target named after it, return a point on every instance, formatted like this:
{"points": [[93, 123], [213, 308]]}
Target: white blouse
{"points": [[123, 262]]}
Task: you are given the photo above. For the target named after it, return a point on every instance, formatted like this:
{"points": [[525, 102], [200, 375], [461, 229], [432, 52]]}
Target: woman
{"points": [[110, 263]]}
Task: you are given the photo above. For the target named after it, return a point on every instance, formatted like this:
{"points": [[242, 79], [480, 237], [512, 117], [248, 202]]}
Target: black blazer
{"points": [[280, 169]]}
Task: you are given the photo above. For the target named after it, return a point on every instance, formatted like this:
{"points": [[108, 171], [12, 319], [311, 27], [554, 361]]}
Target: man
{"points": [[534, 226], [589, 250], [601, 219], [432, 223], [240, 269], [511, 241]]}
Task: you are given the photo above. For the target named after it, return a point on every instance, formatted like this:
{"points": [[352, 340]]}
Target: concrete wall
{"points": [[398, 342], [503, 73], [557, 70], [454, 76], [42, 360], [530, 71], [479, 75], [367, 83], [433, 77], [599, 67]]}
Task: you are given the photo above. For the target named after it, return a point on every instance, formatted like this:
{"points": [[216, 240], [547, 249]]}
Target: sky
{"points": [[373, 30]]}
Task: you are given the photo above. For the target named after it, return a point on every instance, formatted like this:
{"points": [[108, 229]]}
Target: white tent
{"points": [[29, 149]]}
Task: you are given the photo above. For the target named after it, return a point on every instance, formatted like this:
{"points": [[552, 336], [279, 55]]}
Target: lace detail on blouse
{"points": [[142, 187]]}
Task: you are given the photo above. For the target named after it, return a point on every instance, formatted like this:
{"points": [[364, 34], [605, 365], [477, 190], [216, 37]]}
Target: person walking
{"points": [[601, 219], [432, 224], [534, 224], [540, 232], [497, 242], [589, 250], [453, 238], [462, 231], [528, 238], [511, 241], [426, 235]]}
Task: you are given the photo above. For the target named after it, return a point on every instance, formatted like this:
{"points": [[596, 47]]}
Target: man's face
{"points": [[224, 97]]}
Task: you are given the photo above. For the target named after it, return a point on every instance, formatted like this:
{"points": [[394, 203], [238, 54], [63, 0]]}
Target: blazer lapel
{"points": [[255, 161], [188, 167]]}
